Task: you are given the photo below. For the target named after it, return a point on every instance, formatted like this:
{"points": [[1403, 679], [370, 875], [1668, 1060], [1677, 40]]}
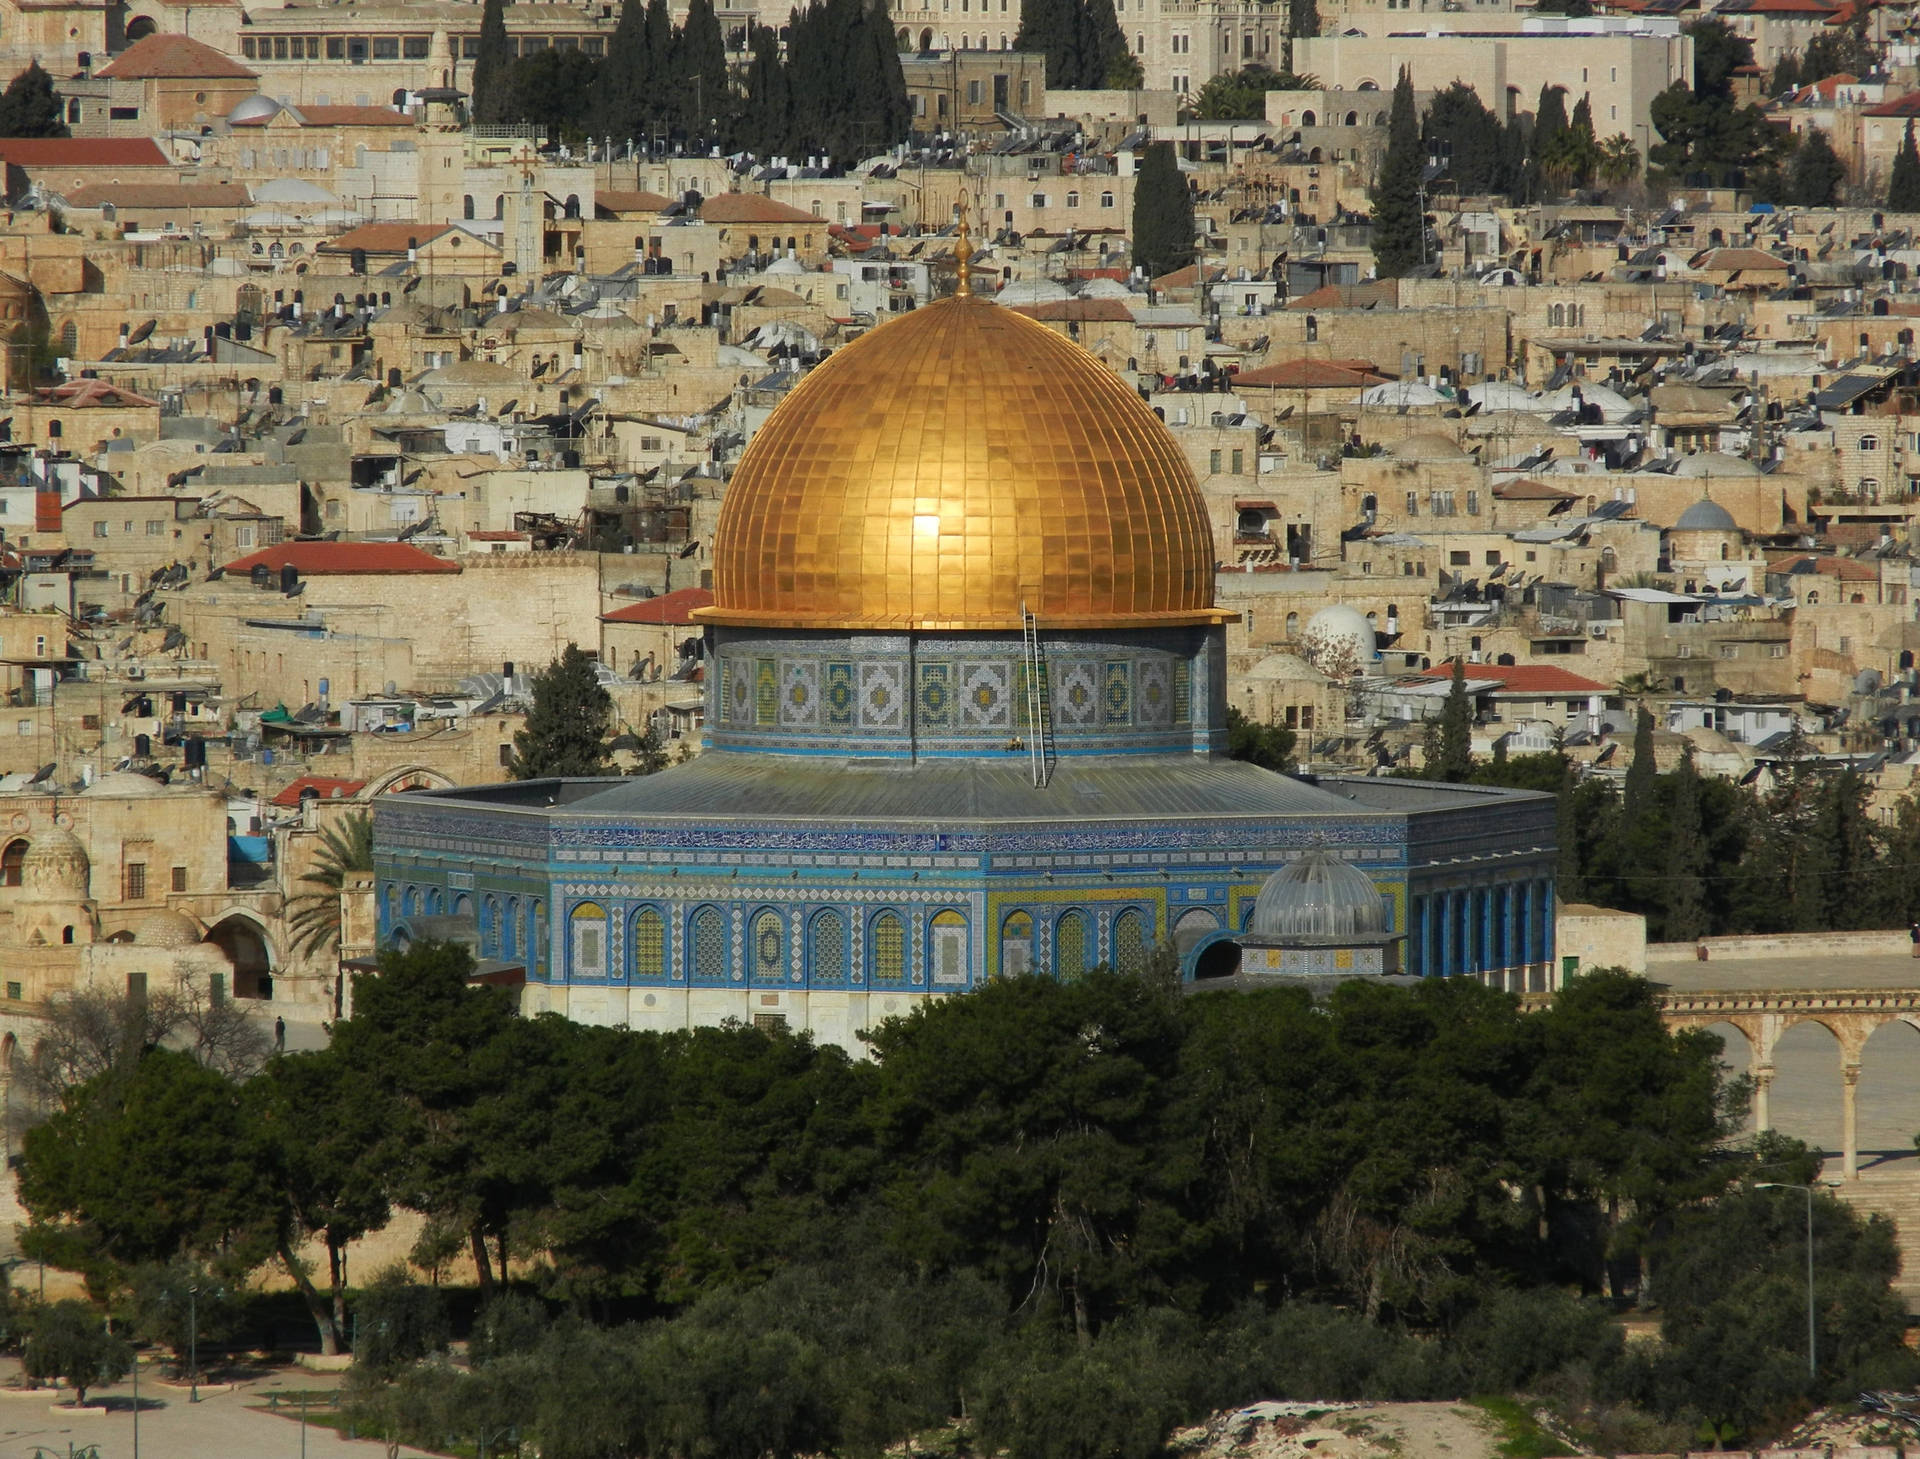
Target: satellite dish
{"points": [[43, 772], [144, 332]]}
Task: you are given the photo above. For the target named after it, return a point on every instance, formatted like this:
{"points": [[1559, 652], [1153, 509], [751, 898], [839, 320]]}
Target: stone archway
{"points": [[407, 777], [1888, 1094], [244, 942]]}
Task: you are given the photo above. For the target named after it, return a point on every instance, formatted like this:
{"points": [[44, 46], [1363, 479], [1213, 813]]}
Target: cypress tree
{"points": [[767, 123], [883, 85], [1106, 59], [1162, 213], [1816, 172], [29, 107], [617, 88], [653, 75], [493, 68], [1636, 790], [1051, 27], [1545, 148], [1903, 188], [1456, 724], [1399, 229], [1684, 891], [701, 66]]}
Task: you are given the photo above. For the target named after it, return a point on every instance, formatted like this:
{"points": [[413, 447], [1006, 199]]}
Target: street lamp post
{"points": [[193, 1343], [1781, 1185]]}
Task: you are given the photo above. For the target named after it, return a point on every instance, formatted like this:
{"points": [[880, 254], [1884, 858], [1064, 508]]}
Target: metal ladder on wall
{"points": [[1039, 706]]}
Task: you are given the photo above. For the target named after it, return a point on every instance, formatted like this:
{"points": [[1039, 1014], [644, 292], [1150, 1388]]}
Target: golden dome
{"points": [[951, 466]]}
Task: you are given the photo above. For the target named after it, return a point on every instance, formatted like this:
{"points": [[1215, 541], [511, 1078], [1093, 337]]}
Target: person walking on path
{"points": [[280, 1024]]}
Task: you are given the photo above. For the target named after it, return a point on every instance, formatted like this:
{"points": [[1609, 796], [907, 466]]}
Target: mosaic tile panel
{"points": [[883, 696], [1076, 696], [1153, 695], [766, 692], [799, 693], [840, 696], [936, 697], [1183, 693], [986, 696], [741, 690], [1116, 695]]}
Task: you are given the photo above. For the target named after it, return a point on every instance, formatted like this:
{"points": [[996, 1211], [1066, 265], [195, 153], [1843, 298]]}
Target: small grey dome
{"points": [[1706, 515], [253, 108], [1715, 463], [166, 928], [1318, 896]]}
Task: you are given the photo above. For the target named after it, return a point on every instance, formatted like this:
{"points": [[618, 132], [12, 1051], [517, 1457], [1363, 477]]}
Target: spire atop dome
{"points": [[963, 255]]}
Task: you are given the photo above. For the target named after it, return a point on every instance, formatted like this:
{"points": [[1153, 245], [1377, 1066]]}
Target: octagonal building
{"points": [[966, 719]]}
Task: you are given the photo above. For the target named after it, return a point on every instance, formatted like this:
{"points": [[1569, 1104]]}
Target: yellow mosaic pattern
{"points": [[949, 466]]}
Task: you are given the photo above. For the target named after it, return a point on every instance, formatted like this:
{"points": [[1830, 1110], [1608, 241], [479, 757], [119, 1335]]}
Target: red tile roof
{"points": [[1348, 296], [92, 395], [1900, 106], [336, 116], [1523, 678], [1528, 490], [1846, 568], [616, 200], [668, 608], [385, 237], [160, 195], [334, 559], [82, 152], [161, 56], [751, 208], [1738, 260], [326, 787]]}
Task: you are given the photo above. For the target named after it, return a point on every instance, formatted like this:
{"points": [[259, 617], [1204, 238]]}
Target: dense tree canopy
{"points": [[1399, 225], [569, 724], [30, 107], [1163, 226]]}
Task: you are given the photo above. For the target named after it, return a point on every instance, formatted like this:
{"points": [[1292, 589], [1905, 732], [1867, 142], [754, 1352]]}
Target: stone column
{"points": [[1850, 1121], [1762, 1109]]}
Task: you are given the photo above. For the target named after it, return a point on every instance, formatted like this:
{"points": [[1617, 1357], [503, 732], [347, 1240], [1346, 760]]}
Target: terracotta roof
{"points": [[91, 395], [1528, 490], [751, 208], [325, 787], [1079, 311], [668, 608], [1523, 678], [1737, 260], [1846, 568], [82, 152], [160, 195], [162, 55], [1308, 375], [1900, 106], [1822, 90], [333, 559], [385, 237], [616, 201]]}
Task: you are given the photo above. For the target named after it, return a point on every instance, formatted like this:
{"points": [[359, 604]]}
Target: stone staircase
{"points": [[1895, 1194]]}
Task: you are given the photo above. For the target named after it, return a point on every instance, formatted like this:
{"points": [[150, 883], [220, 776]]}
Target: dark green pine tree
{"points": [[29, 106], [1816, 172], [1786, 76], [618, 89], [567, 727], [1903, 187], [766, 124], [1570, 882], [1105, 58], [1456, 726], [1303, 19], [1162, 213], [813, 78], [1684, 892], [700, 58], [493, 69], [1399, 229]]}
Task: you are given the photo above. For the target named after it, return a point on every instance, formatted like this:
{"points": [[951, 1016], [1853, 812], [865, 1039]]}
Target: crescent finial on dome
{"points": [[963, 255]]}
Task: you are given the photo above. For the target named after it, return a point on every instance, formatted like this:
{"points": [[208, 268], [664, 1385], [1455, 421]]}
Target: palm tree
{"points": [[345, 848], [1619, 160]]}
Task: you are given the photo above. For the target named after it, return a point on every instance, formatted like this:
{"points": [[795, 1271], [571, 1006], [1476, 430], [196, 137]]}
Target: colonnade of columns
{"points": [[1478, 930]]}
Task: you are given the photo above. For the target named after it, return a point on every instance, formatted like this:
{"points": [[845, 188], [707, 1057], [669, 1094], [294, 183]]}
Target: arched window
{"points": [[708, 939], [538, 938], [392, 902], [649, 944], [466, 207], [1016, 945], [489, 927], [1557, 315], [1293, 625], [572, 205], [510, 929], [15, 856], [410, 903], [949, 949], [588, 937], [827, 950], [1130, 942], [889, 942], [499, 205], [1070, 947], [436, 901], [1869, 443], [767, 943]]}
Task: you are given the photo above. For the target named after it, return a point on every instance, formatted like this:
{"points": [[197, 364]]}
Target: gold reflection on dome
{"points": [[950, 466]]}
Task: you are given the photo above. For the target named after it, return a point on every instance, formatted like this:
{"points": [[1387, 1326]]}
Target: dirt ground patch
{"points": [[1343, 1431]]}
